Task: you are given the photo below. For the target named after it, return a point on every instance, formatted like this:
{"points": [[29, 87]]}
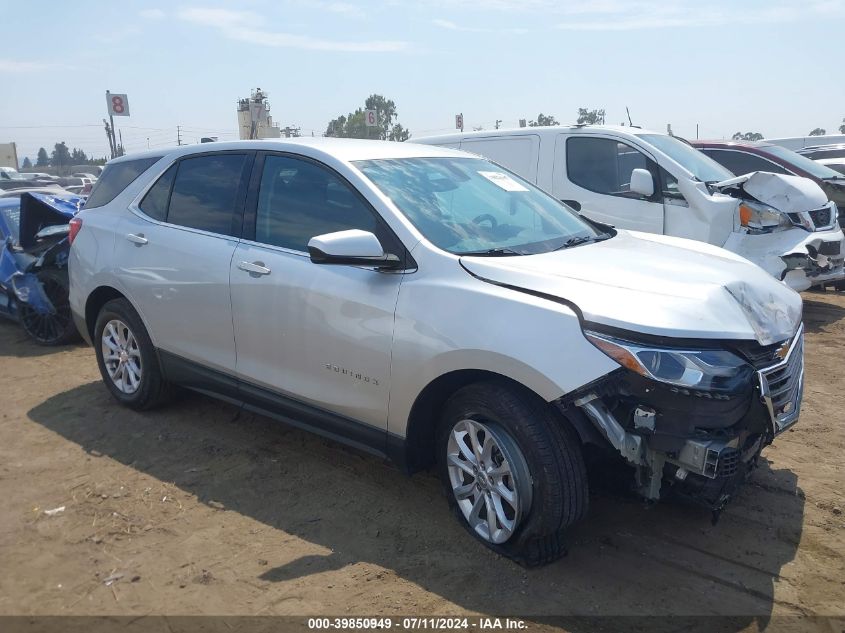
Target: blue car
{"points": [[34, 229]]}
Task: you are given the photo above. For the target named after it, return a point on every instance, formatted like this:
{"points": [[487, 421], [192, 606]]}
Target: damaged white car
{"points": [[645, 181], [429, 307]]}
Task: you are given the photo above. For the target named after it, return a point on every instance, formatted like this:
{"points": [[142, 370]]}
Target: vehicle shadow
{"points": [[15, 342], [819, 314], [627, 560]]}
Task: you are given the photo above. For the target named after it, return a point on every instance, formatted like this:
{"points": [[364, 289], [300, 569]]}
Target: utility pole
{"points": [[121, 143], [696, 131], [110, 138], [179, 135]]}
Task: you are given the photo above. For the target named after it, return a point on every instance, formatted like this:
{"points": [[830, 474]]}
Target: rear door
{"points": [[318, 334], [593, 175], [173, 254]]}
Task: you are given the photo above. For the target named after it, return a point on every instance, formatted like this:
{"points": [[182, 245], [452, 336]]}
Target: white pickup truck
{"points": [[652, 182]]}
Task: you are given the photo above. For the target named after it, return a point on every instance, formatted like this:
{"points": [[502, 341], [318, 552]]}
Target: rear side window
{"points": [[206, 193], [116, 178], [154, 203]]}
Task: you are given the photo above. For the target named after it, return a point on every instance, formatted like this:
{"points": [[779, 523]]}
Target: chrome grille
{"points": [[782, 385]]}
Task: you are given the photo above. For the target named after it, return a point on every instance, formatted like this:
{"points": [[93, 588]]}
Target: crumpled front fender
{"points": [[799, 258]]}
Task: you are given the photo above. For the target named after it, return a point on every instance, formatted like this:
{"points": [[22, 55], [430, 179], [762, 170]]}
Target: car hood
{"points": [[790, 194], [656, 285]]}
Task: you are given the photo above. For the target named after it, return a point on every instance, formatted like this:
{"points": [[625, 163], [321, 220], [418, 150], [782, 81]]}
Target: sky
{"points": [[773, 66]]}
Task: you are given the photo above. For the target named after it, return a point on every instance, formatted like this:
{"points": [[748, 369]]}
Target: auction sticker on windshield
{"points": [[503, 180]]}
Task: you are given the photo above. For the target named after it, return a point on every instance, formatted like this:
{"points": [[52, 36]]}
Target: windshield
{"points": [[801, 162], [702, 167], [471, 206]]}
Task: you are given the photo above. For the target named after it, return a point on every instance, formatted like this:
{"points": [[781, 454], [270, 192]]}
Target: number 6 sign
{"points": [[371, 118], [117, 105]]}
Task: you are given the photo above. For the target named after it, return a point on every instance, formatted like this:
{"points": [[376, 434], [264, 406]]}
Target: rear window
{"points": [[116, 178]]}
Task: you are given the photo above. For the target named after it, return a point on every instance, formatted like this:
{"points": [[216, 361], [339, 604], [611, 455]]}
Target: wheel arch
{"points": [[418, 447], [99, 297]]}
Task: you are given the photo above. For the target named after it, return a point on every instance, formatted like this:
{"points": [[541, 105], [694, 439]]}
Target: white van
{"points": [[652, 182]]}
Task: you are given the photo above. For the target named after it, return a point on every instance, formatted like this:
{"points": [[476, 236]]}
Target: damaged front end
{"points": [[690, 420], [33, 264], [787, 226]]}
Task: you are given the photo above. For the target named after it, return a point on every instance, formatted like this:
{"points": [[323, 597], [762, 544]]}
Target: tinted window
{"points": [[206, 193], [299, 200], [741, 163], [154, 203], [602, 165], [116, 178]]}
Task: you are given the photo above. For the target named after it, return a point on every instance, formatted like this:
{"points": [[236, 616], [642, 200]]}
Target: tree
{"points": [[354, 125], [590, 117], [61, 156], [42, 160], [26, 162], [819, 131], [842, 127], [78, 156], [543, 121], [747, 136]]}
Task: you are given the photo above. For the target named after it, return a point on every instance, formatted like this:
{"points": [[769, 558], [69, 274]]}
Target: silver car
{"points": [[427, 305]]}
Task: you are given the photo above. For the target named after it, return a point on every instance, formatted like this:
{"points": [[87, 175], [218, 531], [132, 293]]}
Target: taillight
{"points": [[75, 225]]}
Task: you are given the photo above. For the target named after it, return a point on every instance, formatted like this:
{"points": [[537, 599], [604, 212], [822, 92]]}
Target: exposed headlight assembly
{"points": [[704, 369], [761, 218]]}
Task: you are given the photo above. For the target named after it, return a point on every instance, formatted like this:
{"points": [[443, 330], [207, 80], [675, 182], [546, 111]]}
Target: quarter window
{"points": [[299, 200], [115, 178], [207, 192], [603, 165], [154, 203]]}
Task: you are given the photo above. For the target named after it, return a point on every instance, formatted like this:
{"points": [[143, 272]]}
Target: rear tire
{"points": [[546, 487], [127, 358], [53, 329]]}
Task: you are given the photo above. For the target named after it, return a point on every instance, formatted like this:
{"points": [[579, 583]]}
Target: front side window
{"points": [[115, 178], [12, 217], [603, 165], [299, 200], [741, 163], [206, 193], [472, 206]]}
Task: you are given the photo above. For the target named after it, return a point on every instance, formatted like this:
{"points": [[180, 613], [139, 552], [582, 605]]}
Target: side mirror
{"points": [[351, 248], [642, 183]]}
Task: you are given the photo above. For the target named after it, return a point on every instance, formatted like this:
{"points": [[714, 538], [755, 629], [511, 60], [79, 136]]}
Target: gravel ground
{"points": [[199, 508]]}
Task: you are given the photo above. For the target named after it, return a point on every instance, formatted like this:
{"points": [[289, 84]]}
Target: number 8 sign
{"points": [[117, 105]]}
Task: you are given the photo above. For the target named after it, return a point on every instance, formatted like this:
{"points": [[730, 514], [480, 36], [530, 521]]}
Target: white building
{"points": [[254, 120]]}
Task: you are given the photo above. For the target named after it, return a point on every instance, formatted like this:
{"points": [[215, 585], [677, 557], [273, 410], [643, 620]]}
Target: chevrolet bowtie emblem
{"points": [[782, 351]]}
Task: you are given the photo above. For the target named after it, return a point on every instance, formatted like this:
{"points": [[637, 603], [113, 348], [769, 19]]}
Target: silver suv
{"points": [[427, 305]]}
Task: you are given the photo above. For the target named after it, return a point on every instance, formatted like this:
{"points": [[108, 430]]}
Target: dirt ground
{"points": [[202, 509]]}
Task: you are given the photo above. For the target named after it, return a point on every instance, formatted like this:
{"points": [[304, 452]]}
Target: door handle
{"points": [[254, 268], [138, 239]]}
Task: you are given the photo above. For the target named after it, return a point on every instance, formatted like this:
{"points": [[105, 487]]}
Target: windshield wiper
{"points": [[499, 251], [583, 239]]}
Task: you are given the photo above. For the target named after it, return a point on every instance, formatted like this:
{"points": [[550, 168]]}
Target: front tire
{"points": [[127, 359], [513, 470]]}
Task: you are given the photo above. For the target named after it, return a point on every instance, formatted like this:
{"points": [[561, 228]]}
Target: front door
{"points": [[316, 334], [594, 175]]}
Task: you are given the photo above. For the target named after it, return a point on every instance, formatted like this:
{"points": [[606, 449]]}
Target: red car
{"points": [[743, 157]]}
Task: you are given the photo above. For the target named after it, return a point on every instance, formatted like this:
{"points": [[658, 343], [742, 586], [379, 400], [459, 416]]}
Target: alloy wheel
{"points": [[489, 478], [121, 356]]}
